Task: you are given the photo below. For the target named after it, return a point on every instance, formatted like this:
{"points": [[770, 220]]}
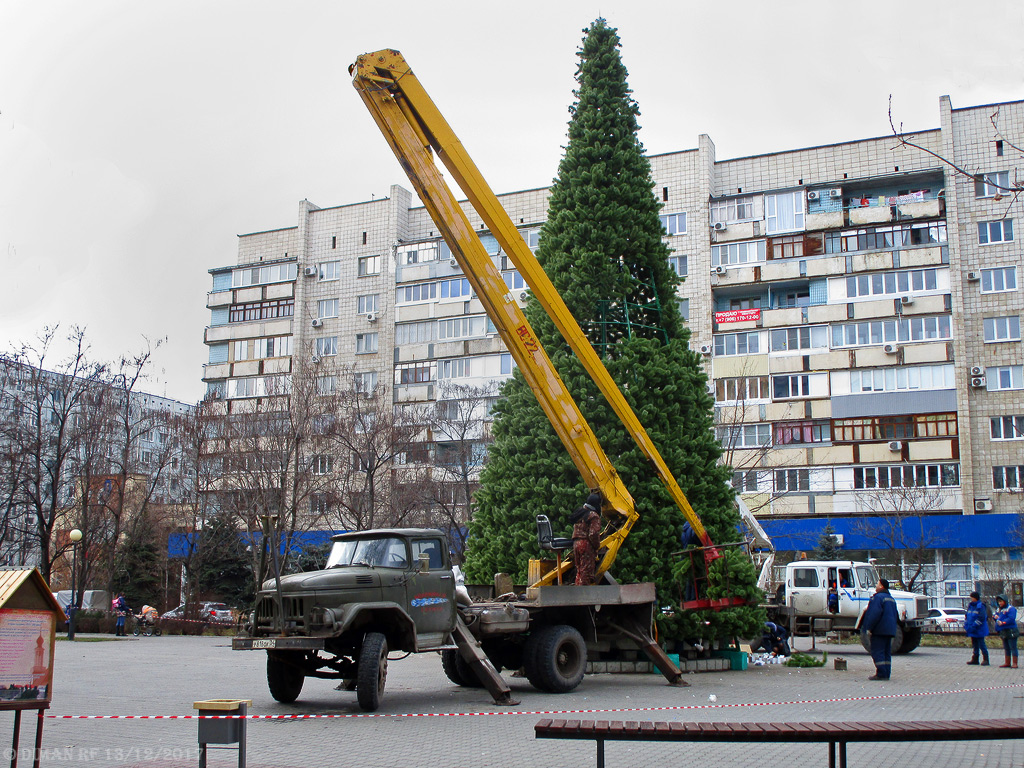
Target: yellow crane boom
{"points": [[415, 130]]}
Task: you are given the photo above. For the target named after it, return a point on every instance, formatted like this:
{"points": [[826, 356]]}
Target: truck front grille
{"points": [[922, 607], [294, 611]]}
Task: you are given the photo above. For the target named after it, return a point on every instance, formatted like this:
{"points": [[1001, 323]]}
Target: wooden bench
{"points": [[833, 734]]}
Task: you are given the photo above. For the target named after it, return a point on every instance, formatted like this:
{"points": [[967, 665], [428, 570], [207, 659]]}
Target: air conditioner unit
{"points": [[835, 193], [314, 359], [977, 370], [983, 505], [705, 349], [895, 445], [813, 194], [974, 276], [905, 300], [719, 226], [711, 387], [721, 269], [978, 382], [310, 271], [317, 322], [453, 263], [891, 349], [522, 295], [371, 317]]}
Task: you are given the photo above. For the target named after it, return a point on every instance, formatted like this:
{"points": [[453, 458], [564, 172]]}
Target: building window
{"points": [[326, 385], [875, 428], [746, 481], [875, 238], [792, 246], [999, 279], [1007, 427], [367, 303], [1004, 377], [261, 310], [800, 432], [735, 209], [785, 211], [742, 389], [415, 333], [1008, 478], [791, 480], [408, 294], [791, 386], [414, 373], [889, 283], [679, 265], [240, 350], [461, 328], [365, 382], [366, 343], [683, 305], [802, 338], [322, 465], [738, 253], [1002, 328], [992, 184], [900, 379], [327, 308], [330, 270], [457, 368], [797, 297], [744, 435], [747, 343], [327, 346], [274, 346], [995, 231], [368, 265], [745, 302], [507, 364], [674, 223], [270, 273], [456, 289], [885, 331], [417, 253], [907, 476]]}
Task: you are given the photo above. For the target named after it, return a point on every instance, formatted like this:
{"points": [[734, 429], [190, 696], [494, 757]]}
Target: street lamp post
{"points": [[75, 536]]}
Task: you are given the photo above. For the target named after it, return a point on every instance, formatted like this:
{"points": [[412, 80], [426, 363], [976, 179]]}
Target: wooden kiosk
{"points": [[28, 628]]}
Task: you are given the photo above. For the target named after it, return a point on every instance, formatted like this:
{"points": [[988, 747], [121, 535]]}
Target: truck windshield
{"points": [[379, 553], [867, 576]]}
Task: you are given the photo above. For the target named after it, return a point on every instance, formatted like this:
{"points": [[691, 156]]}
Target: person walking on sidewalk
{"points": [[1006, 626], [976, 627], [882, 620]]}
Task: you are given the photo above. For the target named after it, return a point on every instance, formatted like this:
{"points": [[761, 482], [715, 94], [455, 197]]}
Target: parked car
{"points": [[946, 619], [216, 613]]}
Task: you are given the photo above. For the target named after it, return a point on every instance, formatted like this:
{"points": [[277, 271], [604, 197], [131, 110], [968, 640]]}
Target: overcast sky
{"points": [[137, 139]]}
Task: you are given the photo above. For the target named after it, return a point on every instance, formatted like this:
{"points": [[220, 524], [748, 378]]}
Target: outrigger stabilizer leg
{"points": [[474, 655]]}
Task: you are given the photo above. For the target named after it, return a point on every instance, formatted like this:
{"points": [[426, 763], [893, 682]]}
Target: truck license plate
{"points": [[264, 643]]}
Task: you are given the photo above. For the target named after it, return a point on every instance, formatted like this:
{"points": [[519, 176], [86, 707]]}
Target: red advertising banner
{"points": [[737, 316]]}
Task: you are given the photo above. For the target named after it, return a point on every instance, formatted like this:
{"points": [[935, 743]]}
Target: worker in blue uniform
{"points": [[881, 620]]}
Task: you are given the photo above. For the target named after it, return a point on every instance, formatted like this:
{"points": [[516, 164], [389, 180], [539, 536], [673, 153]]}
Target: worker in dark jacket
{"points": [[882, 620], [976, 628], [586, 538]]}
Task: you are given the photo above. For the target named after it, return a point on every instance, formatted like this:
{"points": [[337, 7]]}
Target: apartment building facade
{"points": [[857, 305]]}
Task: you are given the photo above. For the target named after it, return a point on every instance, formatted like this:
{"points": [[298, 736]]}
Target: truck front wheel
{"points": [[555, 658], [372, 671], [897, 641], [284, 678], [911, 639], [458, 669]]}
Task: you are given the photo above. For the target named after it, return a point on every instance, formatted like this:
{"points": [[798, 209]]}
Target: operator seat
{"points": [[546, 540]]}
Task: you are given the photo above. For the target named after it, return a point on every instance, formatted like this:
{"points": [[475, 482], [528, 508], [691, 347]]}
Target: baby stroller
{"points": [[146, 623]]}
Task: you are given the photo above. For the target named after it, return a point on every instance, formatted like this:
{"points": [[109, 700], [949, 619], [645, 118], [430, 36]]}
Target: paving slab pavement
{"points": [[426, 721]]}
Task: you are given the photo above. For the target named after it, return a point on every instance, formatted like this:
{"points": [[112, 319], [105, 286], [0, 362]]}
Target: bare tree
{"points": [[899, 527], [460, 432]]}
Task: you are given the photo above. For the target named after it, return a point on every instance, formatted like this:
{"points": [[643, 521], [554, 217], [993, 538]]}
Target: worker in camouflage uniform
{"points": [[586, 538]]}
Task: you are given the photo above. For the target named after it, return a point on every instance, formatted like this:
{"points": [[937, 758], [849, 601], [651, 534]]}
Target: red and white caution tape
{"points": [[678, 707]]}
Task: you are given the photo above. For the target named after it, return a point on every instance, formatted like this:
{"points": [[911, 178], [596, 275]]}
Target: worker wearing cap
{"points": [[976, 628], [882, 620], [586, 538]]}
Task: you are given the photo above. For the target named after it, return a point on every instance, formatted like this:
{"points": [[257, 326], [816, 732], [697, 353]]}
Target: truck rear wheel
{"points": [[458, 670], [911, 639], [372, 672], [284, 678], [897, 641], [555, 658]]}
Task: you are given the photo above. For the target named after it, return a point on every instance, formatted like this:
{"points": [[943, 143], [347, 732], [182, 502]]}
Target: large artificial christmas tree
{"points": [[602, 246]]}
